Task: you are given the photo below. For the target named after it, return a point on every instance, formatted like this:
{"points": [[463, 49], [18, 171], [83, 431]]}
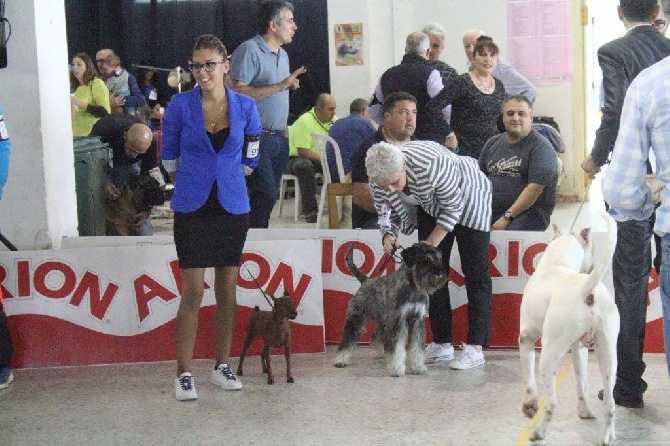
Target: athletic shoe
{"points": [[6, 377], [223, 376], [467, 358], [184, 387], [436, 352]]}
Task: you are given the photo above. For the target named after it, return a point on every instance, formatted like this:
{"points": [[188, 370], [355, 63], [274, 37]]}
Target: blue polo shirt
{"points": [[254, 63]]}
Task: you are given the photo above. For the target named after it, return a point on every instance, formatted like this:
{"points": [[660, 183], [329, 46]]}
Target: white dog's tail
{"points": [[352, 266], [598, 272]]}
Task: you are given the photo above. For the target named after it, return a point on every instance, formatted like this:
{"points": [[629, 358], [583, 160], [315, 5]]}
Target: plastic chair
{"points": [[285, 178], [321, 143]]}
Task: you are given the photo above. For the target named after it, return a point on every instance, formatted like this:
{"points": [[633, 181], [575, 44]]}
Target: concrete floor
{"points": [[134, 404]]}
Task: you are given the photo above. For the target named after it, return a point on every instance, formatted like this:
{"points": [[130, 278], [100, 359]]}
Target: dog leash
{"points": [[586, 193], [388, 257], [259, 287]]}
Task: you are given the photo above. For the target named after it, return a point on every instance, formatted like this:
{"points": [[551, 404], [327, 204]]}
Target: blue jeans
{"points": [[263, 183], [665, 296], [631, 265], [6, 346]]}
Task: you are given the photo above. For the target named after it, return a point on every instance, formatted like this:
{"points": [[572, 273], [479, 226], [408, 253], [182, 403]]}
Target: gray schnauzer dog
{"points": [[398, 303]]}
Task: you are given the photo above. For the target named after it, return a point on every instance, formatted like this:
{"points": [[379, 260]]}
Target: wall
{"points": [[386, 24], [39, 202]]}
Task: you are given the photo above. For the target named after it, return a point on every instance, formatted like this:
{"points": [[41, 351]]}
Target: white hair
{"points": [[417, 43], [474, 31], [383, 160], [436, 30]]}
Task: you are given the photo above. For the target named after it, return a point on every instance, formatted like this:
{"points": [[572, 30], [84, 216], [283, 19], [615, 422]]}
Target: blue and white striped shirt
{"points": [[449, 187], [645, 125]]}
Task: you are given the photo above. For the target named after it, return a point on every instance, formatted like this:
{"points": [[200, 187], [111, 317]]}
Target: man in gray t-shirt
{"points": [[259, 68], [523, 169]]}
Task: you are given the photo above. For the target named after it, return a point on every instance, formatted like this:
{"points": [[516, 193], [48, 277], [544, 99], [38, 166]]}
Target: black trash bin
{"points": [[91, 159]]}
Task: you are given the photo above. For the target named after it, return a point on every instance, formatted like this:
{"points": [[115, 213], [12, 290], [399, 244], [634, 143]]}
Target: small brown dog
{"points": [[124, 207], [273, 326]]}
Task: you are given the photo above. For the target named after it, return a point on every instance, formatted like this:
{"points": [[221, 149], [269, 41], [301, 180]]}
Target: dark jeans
{"points": [[630, 271], [263, 183], [473, 248], [305, 170], [6, 346], [530, 220]]}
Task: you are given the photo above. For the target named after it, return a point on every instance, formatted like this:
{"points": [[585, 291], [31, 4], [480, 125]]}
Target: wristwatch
{"points": [[508, 215]]}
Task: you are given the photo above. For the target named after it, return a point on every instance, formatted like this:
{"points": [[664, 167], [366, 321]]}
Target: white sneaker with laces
{"points": [[184, 387], [223, 376], [467, 358], [436, 352]]}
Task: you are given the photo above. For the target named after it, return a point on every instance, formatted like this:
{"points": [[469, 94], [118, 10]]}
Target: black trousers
{"points": [[473, 248], [6, 346], [631, 265]]}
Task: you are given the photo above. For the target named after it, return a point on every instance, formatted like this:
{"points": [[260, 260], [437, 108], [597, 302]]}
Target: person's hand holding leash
{"points": [[390, 243]]}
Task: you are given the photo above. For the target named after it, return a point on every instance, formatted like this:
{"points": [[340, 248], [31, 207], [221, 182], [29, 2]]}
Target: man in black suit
{"points": [[621, 60]]}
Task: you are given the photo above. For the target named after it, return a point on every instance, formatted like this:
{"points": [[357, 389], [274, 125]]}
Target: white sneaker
{"points": [[467, 358], [184, 387], [436, 352], [224, 377]]}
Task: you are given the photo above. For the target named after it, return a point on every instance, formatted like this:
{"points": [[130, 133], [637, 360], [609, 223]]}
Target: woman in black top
{"points": [[476, 99]]}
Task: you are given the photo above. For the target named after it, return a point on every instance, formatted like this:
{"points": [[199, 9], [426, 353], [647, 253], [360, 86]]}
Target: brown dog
{"points": [[273, 326], [125, 207]]}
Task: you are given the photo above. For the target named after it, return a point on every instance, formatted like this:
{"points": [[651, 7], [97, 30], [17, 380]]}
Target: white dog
{"points": [[566, 304]]}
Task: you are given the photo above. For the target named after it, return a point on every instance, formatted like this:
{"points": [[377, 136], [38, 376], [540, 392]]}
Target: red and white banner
{"points": [[114, 304]]}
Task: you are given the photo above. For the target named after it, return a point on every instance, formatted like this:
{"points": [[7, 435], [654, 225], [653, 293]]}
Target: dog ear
{"points": [[585, 236], [409, 256], [557, 231]]}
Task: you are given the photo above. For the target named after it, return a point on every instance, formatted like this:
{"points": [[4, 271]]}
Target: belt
{"points": [[274, 132]]}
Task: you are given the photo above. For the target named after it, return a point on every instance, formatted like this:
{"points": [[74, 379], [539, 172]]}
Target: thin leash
{"points": [[388, 257], [259, 287], [586, 193]]}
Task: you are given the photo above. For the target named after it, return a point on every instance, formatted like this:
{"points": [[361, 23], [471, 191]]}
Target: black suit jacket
{"points": [[621, 60]]}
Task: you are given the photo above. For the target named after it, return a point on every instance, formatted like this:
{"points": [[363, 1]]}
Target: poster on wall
{"points": [[539, 39], [349, 44]]}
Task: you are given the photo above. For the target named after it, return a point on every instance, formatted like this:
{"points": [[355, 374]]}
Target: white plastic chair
{"points": [[321, 142], [285, 178]]}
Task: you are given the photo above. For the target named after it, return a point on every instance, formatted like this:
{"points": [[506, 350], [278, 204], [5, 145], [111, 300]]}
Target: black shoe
{"points": [[631, 403], [311, 218]]}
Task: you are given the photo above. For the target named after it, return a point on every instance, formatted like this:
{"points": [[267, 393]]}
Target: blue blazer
{"points": [[185, 140]]}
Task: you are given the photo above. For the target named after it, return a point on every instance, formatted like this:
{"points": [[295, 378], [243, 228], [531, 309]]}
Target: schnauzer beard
{"points": [[398, 303]]}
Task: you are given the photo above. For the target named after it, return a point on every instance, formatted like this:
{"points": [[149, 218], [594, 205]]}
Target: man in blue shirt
{"points": [[6, 347], [348, 133], [259, 68]]}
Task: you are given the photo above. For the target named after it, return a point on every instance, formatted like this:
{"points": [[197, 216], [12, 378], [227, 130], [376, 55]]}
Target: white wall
{"points": [[386, 24], [39, 201]]}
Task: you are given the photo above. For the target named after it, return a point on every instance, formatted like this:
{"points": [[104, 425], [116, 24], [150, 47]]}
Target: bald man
{"points": [[304, 159], [133, 151]]}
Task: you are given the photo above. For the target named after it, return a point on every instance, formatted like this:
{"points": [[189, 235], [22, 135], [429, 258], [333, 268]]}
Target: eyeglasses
{"points": [[208, 66], [660, 23]]}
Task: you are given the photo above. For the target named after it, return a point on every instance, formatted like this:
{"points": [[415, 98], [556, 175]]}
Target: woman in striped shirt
{"points": [[456, 196]]}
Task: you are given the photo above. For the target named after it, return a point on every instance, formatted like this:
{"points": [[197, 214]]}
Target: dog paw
{"points": [[417, 371], [289, 380], [340, 365], [584, 411], [536, 435], [239, 372], [271, 380], [529, 409]]}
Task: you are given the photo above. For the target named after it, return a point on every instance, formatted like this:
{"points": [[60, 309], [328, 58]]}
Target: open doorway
{"points": [[603, 26]]}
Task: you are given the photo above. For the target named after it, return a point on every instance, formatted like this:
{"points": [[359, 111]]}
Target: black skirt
{"points": [[210, 236]]}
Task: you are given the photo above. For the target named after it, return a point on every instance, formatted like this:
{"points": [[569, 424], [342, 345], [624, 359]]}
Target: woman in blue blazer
{"points": [[210, 141]]}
